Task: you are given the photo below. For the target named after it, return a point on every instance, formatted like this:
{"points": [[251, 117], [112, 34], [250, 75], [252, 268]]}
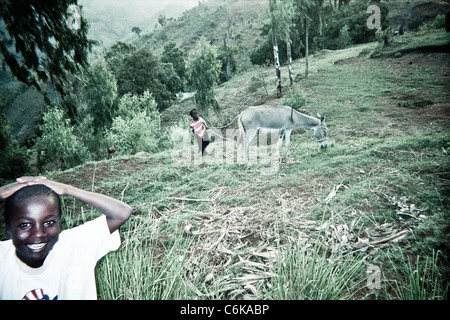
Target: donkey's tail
{"points": [[241, 142]]}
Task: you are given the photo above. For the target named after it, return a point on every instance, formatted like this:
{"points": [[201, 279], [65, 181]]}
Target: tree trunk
{"points": [[226, 41], [277, 62], [306, 48], [228, 66], [272, 6], [54, 88], [227, 53], [289, 57]]}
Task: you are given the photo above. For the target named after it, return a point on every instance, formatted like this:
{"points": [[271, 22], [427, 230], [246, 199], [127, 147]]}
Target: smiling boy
{"points": [[42, 262]]}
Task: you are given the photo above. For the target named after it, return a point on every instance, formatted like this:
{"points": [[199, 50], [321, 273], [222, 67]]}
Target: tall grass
{"points": [[312, 274], [148, 266], [421, 278], [153, 262]]}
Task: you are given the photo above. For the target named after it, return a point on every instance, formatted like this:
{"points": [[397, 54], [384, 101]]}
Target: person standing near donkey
{"points": [[199, 127]]}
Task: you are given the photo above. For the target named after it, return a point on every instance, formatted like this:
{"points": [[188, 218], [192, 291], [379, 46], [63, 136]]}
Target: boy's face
{"points": [[195, 115], [34, 228]]}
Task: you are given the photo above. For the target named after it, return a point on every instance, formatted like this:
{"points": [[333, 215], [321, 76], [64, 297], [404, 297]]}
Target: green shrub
{"points": [[437, 23], [130, 104], [294, 99], [58, 142], [94, 141], [137, 127]]}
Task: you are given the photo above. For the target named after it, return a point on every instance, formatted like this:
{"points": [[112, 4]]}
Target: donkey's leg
{"points": [[288, 142], [241, 147], [280, 142], [250, 134]]}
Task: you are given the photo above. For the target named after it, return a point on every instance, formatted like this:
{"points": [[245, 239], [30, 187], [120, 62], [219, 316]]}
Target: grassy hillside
{"points": [[377, 197], [210, 20], [112, 21]]}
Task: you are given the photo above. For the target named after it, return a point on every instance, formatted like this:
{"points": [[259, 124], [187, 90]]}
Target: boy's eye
{"points": [[24, 225], [49, 223]]}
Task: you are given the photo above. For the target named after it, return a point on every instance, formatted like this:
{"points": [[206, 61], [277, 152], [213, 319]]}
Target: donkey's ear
{"points": [[320, 117]]}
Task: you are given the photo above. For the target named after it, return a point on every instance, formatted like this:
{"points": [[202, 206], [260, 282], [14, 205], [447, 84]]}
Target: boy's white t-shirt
{"points": [[67, 272]]}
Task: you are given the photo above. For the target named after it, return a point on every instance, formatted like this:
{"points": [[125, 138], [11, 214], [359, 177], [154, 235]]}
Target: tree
{"points": [[226, 45], [117, 53], [137, 30], [280, 26], [172, 54], [227, 62], [129, 105], [262, 55], [281, 17], [348, 25], [338, 4], [38, 45], [162, 20], [14, 160], [101, 93], [307, 14], [142, 71], [203, 70]]}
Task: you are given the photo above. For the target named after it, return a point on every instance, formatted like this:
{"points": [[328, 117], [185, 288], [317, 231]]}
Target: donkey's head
{"points": [[320, 132]]}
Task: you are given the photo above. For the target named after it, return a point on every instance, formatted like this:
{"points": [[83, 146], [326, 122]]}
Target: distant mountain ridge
{"points": [[210, 20], [112, 20]]}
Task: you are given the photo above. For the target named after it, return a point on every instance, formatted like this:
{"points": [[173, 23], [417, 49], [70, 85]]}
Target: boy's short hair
{"points": [[192, 111], [28, 192]]}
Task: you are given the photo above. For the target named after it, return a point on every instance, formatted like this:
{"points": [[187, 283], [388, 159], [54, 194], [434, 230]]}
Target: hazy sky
{"points": [[139, 6], [112, 20]]}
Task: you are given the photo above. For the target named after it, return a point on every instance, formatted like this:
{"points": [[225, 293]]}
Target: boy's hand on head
{"points": [[27, 179], [9, 189], [21, 182], [59, 188]]}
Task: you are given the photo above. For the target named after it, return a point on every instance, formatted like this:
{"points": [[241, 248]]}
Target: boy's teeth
{"points": [[36, 246]]}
